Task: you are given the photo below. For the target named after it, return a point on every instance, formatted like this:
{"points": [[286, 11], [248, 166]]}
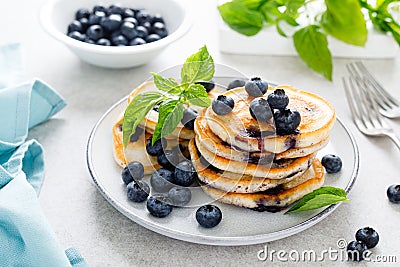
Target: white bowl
{"points": [[55, 16]]}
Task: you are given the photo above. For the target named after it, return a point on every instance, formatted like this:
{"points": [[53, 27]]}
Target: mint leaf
{"points": [[252, 4], [168, 85], [292, 8], [197, 95], [170, 114], [312, 47], [345, 21], [136, 111], [319, 198], [240, 18], [198, 67]]}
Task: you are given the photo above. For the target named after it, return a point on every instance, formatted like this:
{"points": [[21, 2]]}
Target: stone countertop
{"points": [[81, 217]]}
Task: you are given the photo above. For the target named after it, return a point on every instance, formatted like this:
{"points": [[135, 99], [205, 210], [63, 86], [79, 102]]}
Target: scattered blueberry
{"points": [[256, 87], [77, 36], [137, 41], [104, 42], [368, 236], [278, 99], [286, 121], [126, 175], [75, 26], [137, 191], [159, 205], [208, 85], [136, 169], [189, 116], [142, 32], [236, 83], [222, 105], [332, 163], [168, 159], [157, 148], [138, 132], [111, 23], [128, 30], [152, 38], [185, 173], [180, 196], [82, 13], [95, 32], [356, 250], [260, 110], [393, 193], [208, 216], [162, 180]]}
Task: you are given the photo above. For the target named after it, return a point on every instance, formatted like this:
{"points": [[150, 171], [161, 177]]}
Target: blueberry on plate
{"points": [[75, 26], [260, 110], [136, 169], [82, 13], [393, 193], [356, 250], [368, 236], [286, 121], [104, 42], [168, 159], [77, 36], [157, 148], [135, 136], [180, 196], [137, 191], [119, 40], [256, 87], [208, 216], [152, 38], [159, 205], [128, 30], [207, 85], [111, 23], [142, 32], [96, 17], [236, 83], [162, 180], [332, 163], [189, 116], [185, 173], [126, 175], [137, 41], [278, 99], [222, 105], [95, 32]]}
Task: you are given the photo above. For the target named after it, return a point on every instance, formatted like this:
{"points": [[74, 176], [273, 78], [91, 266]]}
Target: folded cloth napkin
{"points": [[26, 238]]}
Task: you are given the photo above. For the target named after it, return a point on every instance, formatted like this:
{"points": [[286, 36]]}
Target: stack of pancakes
{"points": [[243, 162]]}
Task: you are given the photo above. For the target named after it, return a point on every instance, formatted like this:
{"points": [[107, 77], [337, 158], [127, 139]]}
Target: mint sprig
{"points": [[324, 196], [173, 98]]}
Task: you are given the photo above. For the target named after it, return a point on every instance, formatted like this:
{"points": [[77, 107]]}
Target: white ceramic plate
{"points": [[239, 226]]}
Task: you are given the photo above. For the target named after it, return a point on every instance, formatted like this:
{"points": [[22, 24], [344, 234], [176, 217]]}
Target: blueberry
{"points": [[77, 36], [138, 132], [128, 30], [82, 13], [152, 38], [208, 216], [111, 23], [115, 9], [126, 175], [136, 169], [256, 87], [159, 205], [99, 8], [157, 148], [356, 250], [157, 18], [158, 28], [368, 236], [75, 26], [114, 34], [105, 42], [119, 40], [95, 32], [137, 41], [142, 32], [208, 85], [236, 83], [89, 41], [147, 25], [168, 159], [85, 24], [180, 196], [332, 163], [96, 17], [260, 110], [286, 121], [137, 191], [278, 99], [162, 180], [222, 105], [143, 16], [128, 13], [185, 173], [393, 193], [131, 20], [189, 115]]}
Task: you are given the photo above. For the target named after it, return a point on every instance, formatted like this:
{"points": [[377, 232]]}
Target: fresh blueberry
{"points": [[137, 41], [77, 36], [147, 25], [332, 163], [152, 38], [99, 8], [356, 250], [142, 32], [189, 115], [137, 191], [162, 180], [114, 34], [131, 20], [157, 18], [138, 132], [393, 193], [82, 13], [111, 23], [75, 26], [168, 159], [278, 99], [85, 24], [286, 121], [143, 16], [136, 169], [126, 175], [96, 17], [236, 83], [180, 196], [128, 13], [128, 30], [95, 32], [104, 42], [159, 205], [256, 87], [368, 236], [208, 85], [157, 148], [119, 40], [185, 173], [159, 28], [89, 41], [115, 9], [222, 105], [208, 216], [260, 110]]}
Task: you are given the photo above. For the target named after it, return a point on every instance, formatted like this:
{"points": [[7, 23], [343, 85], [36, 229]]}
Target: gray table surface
{"points": [[81, 217]]}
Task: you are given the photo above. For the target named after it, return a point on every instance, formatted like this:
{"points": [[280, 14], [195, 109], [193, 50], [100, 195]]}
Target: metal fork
{"points": [[388, 105], [364, 109]]}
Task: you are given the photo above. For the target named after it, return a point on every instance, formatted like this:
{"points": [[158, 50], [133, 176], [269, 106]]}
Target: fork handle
{"points": [[395, 139]]}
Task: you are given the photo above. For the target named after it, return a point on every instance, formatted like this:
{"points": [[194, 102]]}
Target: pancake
{"points": [[275, 170], [239, 129], [213, 143], [274, 199]]}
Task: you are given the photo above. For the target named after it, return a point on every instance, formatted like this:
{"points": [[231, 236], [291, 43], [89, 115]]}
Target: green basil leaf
{"points": [[312, 47], [166, 84], [279, 29], [345, 21], [136, 111], [252, 4], [170, 114], [240, 18], [292, 8], [198, 67], [197, 95]]}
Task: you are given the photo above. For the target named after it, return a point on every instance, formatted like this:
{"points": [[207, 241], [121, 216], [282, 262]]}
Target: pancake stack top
{"points": [[243, 162]]}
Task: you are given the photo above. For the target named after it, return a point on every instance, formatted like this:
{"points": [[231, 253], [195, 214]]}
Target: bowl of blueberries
{"points": [[113, 34]]}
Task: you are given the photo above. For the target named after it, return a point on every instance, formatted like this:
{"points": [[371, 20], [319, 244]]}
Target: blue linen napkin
{"points": [[26, 238]]}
